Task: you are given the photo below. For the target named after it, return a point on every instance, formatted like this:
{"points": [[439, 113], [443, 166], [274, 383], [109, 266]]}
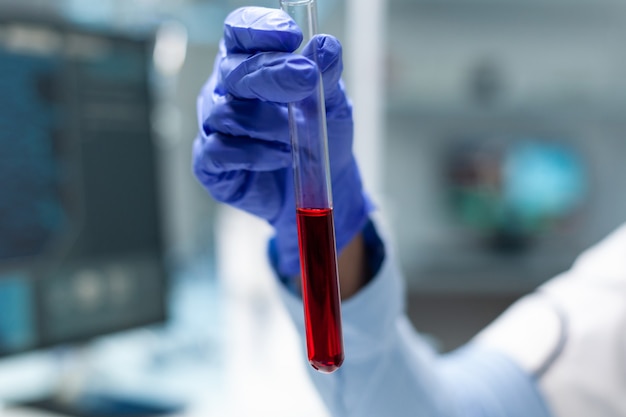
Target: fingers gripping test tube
{"points": [[314, 212]]}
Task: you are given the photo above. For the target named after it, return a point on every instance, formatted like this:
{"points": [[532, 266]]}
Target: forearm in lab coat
{"points": [[390, 370]]}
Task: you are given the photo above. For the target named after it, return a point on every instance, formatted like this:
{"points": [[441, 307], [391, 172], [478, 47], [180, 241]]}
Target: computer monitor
{"points": [[81, 248]]}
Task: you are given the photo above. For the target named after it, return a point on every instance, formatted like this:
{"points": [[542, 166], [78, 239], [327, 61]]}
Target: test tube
{"points": [[314, 212]]}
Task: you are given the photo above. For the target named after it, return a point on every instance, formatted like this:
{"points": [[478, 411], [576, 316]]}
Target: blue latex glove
{"points": [[242, 154]]}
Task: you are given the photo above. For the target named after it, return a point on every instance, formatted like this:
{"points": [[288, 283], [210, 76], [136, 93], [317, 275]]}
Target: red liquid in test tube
{"points": [[313, 198], [319, 288]]}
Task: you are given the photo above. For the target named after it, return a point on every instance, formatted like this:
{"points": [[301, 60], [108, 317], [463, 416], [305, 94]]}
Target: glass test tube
{"points": [[314, 212]]}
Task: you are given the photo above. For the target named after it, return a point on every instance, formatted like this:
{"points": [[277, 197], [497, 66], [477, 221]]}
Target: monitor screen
{"points": [[80, 233]]}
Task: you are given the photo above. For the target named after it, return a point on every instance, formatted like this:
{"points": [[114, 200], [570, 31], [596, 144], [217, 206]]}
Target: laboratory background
{"points": [[491, 135]]}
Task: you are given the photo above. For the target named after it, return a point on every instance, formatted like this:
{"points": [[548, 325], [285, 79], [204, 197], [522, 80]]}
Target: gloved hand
{"points": [[242, 154]]}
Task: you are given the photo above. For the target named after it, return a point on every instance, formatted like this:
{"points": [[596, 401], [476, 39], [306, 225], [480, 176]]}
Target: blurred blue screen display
{"points": [[31, 210], [17, 326], [79, 202]]}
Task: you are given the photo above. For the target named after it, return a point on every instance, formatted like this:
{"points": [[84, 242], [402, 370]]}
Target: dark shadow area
{"points": [[453, 319]]}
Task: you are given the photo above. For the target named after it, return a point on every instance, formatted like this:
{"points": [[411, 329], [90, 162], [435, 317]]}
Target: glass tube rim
{"points": [[296, 2]]}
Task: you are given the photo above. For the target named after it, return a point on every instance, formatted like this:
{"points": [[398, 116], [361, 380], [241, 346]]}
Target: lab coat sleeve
{"points": [[390, 370], [571, 333]]}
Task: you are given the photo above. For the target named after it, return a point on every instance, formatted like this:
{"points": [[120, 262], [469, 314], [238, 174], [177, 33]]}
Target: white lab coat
{"points": [[571, 333], [390, 370], [558, 352]]}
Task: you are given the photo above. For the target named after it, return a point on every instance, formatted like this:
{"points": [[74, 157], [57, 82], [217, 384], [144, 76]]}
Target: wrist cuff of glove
{"points": [[375, 255], [351, 205], [351, 210]]}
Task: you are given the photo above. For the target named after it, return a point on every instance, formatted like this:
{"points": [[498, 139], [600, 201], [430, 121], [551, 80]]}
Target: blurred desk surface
{"points": [[227, 351], [26, 412]]}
